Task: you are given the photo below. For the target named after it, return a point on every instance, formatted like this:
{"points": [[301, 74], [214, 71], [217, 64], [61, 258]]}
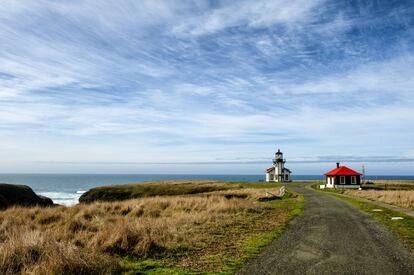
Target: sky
{"points": [[206, 87]]}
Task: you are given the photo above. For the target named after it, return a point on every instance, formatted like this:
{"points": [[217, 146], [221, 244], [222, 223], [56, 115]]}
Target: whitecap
{"points": [[62, 198]]}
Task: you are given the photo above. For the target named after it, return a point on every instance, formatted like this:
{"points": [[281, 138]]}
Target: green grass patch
{"points": [[259, 184], [150, 267], [254, 245]]}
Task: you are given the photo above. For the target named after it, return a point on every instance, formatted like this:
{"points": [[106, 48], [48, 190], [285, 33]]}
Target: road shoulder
{"points": [[332, 236], [399, 222]]}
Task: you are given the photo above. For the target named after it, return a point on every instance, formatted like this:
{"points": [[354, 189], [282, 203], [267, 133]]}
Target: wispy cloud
{"points": [[196, 82], [245, 14]]}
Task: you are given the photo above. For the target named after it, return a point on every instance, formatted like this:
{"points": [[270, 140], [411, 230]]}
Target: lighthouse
{"points": [[278, 172]]}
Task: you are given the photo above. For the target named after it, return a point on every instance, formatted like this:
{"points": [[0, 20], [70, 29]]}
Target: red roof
{"points": [[343, 171], [270, 169]]}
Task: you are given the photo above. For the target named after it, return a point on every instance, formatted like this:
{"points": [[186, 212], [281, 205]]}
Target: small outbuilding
{"points": [[342, 177]]}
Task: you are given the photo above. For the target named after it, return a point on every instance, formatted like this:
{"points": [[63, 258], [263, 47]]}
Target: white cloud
{"points": [[377, 77], [262, 13], [159, 80]]}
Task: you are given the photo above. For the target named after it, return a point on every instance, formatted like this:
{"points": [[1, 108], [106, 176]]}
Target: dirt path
{"points": [[332, 237]]}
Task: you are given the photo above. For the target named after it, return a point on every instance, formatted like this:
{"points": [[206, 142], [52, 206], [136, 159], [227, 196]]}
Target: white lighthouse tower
{"points": [[278, 172]]}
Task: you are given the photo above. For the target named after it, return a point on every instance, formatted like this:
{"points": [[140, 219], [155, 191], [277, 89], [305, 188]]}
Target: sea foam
{"points": [[63, 198]]}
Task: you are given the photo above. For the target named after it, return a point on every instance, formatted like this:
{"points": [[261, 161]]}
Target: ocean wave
{"points": [[62, 198], [80, 192]]}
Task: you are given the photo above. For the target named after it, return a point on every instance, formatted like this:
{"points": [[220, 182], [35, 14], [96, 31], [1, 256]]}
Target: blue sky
{"points": [[206, 86]]}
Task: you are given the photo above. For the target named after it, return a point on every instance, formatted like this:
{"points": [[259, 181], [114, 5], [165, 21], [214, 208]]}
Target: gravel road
{"points": [[332, 237]]}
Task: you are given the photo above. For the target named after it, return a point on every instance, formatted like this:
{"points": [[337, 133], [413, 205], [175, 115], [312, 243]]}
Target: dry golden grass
{"points": [[399, 197], [393, 182], [91, 238]]}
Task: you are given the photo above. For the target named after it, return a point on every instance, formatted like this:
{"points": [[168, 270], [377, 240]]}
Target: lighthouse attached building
{"points": [[342, 177], [278, 172]]}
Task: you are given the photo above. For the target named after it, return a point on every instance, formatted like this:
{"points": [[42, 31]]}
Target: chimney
{"points": [[337, 165]]}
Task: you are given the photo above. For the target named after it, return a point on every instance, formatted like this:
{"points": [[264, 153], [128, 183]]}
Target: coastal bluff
{"points": [[21, 195], [153, 189]]}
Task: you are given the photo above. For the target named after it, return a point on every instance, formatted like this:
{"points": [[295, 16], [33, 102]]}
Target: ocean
{"points": [[66, 189]]}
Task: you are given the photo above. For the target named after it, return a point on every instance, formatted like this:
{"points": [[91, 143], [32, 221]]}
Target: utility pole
{"points": [[363, 173]]}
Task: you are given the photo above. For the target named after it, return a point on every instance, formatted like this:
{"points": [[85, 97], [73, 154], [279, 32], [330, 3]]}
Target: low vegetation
{"points": [[393, 182], [396, 192], [151, 189], [213, 231], [389, 185], [402, 198]]}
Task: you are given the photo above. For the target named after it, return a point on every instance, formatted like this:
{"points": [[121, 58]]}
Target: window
{"points": [[342, 180], [353, 180], [286, 177]]}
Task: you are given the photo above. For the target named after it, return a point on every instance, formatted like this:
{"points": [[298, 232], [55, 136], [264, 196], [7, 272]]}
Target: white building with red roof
{"points": [[278, 172], [342, 177]]}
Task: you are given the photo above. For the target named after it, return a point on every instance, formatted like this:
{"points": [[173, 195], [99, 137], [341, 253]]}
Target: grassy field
{"points": [[402, 198], [389, 185], [395, 192], [393, 182], [213, 232]]}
